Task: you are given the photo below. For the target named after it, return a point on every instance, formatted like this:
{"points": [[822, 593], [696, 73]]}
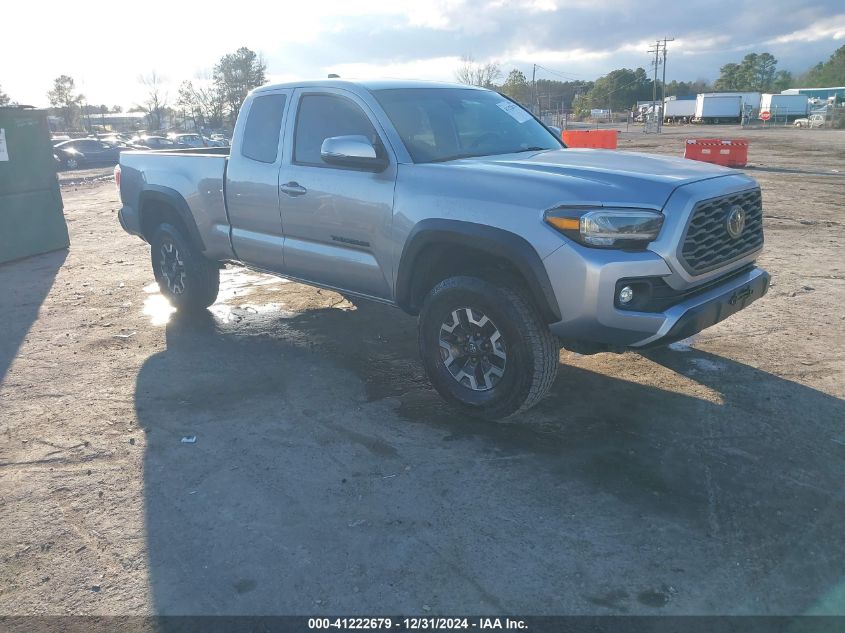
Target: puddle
{"points": [[703, 364], [157, 307], [235, 284], [239, 282], [684, 345], [233, 314]]}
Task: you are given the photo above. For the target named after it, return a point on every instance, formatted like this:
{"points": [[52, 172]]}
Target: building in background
{"points": [[822, 94]]}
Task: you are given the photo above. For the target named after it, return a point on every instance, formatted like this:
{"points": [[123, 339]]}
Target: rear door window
{"points": [[263, 125]]}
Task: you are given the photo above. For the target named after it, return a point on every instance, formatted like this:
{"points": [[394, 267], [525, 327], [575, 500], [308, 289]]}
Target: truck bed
{"points": [[197, 175]]}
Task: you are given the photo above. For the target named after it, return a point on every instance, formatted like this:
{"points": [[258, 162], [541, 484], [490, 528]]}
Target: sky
{"points": [[106, 46]]}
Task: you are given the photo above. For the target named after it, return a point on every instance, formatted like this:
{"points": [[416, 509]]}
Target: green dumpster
{"points": [[31, 211]]}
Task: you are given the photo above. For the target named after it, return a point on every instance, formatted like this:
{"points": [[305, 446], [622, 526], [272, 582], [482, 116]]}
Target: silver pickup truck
{"points": [[455, 204]]}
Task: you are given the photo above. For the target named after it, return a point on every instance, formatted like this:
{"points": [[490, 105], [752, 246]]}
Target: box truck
{"points": [[716, 108], [678, 110]]}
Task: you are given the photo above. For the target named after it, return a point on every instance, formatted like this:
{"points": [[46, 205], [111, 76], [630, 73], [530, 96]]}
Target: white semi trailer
{"points": [[715, 108], [785, 107]]}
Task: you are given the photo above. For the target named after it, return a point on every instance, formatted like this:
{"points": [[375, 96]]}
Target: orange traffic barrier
{"points": [[598, 139], [726, 152]]}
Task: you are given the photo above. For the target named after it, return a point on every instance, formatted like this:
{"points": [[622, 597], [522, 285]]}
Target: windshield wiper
{"points": [[532, 149]]}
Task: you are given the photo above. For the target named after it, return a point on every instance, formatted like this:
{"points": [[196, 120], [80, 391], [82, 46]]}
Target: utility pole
{"points": [[534, 90], [655, 63], [663, 85]]}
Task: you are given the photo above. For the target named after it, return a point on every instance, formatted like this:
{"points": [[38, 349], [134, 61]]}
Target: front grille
{"points": [[708, 245]]}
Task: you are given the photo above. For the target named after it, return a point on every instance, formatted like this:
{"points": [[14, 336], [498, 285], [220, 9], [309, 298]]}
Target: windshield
{"points": [[440, 124]]}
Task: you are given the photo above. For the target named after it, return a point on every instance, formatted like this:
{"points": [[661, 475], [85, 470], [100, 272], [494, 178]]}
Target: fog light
{"points": [[625, 295]]}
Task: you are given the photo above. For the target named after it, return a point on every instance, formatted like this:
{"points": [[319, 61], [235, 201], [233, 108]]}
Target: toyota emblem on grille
{"points": [[736, 221]]}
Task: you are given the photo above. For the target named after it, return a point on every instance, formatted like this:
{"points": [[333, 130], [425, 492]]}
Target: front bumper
{"points": [[586, 297], [691, 316]]}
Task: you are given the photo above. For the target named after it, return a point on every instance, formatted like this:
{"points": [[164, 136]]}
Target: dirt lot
{"points": [[327, 477]]}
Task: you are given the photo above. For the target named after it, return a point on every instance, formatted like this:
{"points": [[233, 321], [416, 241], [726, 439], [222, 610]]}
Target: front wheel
{"points": [[485, 347], [184, 275]]}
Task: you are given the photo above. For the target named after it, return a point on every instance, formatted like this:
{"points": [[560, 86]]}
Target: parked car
{"points": [[158, 142], [118, 139], [814, 120], [188, 140], [455, 204], [87, 151]]}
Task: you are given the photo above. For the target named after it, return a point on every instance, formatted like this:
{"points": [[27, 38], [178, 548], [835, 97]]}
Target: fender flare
{"points": [[497, 242], [175, 200]]}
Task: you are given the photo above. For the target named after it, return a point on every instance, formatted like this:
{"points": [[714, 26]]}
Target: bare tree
{"points": [[475, 73], [4, 98], [156, 101]]}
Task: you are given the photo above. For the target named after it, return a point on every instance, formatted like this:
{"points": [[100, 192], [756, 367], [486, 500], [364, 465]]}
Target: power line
{"points": [[560, 74]]}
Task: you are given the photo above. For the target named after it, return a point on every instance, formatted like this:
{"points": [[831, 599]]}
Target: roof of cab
{"points": [[368, 84]]}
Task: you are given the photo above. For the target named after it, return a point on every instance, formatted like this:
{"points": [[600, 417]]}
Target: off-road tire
{"points": [[532, 350], [199, 278]]}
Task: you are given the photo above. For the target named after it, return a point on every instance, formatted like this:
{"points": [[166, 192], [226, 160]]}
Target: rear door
{"points": [[337, 220], [252, 181]]}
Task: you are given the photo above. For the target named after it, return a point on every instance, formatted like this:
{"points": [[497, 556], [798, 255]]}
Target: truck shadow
{"points": [[25, 284], [327, 477]]}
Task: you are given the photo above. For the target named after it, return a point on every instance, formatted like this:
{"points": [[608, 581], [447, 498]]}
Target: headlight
{"points": [[607, 228]]}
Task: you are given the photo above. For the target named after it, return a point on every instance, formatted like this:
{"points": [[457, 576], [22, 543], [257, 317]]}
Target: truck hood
{"points": [[592, 175]]}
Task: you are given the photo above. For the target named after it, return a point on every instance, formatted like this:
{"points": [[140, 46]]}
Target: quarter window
{"points": [[261, 132]]}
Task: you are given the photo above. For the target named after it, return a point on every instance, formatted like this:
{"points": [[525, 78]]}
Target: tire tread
{"points": [[543, 345]]}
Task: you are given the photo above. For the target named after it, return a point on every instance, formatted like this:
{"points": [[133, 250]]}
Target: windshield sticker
{"points": [[4, 152], [514, 110]]}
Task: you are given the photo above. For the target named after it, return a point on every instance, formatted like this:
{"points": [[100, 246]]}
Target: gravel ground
{"points": [[327, 476]]}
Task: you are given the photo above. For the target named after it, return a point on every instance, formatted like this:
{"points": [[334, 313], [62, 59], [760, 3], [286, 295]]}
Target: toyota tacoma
{"points": [[455, 204]]}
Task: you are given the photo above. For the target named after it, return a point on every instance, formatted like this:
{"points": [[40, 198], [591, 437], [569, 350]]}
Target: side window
{"points": [[263, 124], [323, 116]]}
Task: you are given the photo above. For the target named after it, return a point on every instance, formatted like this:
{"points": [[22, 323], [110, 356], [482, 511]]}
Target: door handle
{"points": [[293, 189]]}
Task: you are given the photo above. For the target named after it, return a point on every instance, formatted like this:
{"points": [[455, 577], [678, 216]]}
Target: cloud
{"points": [[829, 29], [405, 38]]}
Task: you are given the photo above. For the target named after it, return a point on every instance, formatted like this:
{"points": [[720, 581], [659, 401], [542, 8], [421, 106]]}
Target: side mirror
{"points": [[352, 151], [556, 131]]}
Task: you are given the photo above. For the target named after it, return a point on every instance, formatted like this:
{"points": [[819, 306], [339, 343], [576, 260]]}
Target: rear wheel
{"points": [[184, 276], [485, 347]]}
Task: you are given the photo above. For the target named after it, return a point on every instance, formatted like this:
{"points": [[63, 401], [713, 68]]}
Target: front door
{"points": [[252, 182], [336, 220]]}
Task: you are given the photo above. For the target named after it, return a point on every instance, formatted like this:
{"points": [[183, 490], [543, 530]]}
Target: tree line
{"points": [[211, 102], [214, 101], [620, 89]]}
